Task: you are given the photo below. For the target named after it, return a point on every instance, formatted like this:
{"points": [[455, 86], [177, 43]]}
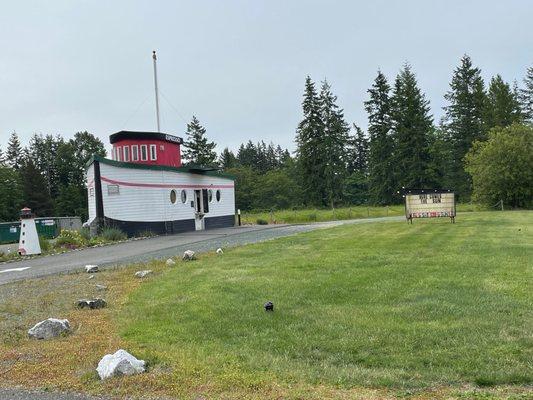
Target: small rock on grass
{"points": [[91, 276], [91, 269], [101, 287], [142, 274], [120, 363], [189, 255], [220, 251], [170, 261], [92, 304], [49, 328]]}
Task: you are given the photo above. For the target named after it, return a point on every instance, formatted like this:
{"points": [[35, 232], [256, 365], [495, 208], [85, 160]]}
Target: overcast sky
{"points": [[239, 66]]}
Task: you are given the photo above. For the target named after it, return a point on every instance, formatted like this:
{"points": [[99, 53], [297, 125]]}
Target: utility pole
{"points": [[154, 57]]}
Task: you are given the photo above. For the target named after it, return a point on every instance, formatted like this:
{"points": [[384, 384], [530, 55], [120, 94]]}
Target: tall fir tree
{"points": [[227, 159], [2, 158], [358, 151], [526, 96], [333, 146], [44, 152], [199, 151], [463, 121], [412, 126], [381, 180], [502, 107], [309, 152], [247, 155], [10, 194], [14, 152], [34, 189]]}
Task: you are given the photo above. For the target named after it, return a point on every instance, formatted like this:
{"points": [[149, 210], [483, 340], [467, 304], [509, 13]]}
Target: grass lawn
{"points": [[386, 310], [388, 305], [318, 215]]}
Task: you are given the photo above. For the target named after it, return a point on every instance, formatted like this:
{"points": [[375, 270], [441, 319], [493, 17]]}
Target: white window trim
{"points": [[135, 152], [119, 153], [126, 153], [153, 152], [145, 147]]}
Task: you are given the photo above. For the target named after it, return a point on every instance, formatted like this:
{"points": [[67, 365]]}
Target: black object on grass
{"points": [[269, 306]]}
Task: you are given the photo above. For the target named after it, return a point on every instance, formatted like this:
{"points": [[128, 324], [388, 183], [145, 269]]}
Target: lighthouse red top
{"points": [[152, 148]]}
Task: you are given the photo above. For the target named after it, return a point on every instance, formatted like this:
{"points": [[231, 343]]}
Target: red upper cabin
{"points": [[152, 148]]}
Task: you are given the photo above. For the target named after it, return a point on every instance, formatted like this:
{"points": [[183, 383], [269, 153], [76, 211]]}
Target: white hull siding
{"points": [[144, 195]]}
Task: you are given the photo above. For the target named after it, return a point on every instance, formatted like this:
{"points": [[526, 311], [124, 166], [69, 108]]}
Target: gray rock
{"points": [[189, 255], [101, 288], [92, 304], [170, 261], [118, 364], [91, 276], [91, 269], [220, 251], [49, 328], [142, 274]]}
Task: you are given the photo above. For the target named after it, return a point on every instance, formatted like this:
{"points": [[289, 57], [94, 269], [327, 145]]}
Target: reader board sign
{"points": [[430, 204]]}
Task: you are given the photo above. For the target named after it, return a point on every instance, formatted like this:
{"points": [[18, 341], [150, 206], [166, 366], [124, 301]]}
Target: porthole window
{"points": [[218, 195], [183, 196], [210, 195], [173, 196]]}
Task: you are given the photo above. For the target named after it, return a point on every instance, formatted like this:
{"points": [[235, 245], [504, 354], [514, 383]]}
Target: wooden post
{"points": [[501, 202]]}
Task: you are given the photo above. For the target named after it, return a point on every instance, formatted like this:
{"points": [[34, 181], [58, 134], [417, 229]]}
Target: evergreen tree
{"points": [[2, 158], [502, 106], [43, 151], [412, 126], [247, 155], [199, 150], [227, 159], [333, 145], [309, 152], [526, 96], [463, 121], [14, 154], [381, 183], [34, 189], [10, 194], [358, 152]]}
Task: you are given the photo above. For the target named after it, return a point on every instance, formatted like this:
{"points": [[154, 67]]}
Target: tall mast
{"points": [[156, 91]]}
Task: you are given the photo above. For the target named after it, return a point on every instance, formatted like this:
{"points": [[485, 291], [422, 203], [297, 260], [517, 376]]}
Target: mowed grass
{"points": [[385, 305], [342, 213]]}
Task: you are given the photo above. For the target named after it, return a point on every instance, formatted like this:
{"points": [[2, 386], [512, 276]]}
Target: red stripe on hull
{"points": [[164, 186]]}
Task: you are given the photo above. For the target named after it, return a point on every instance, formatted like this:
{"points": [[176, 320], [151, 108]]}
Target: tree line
{"points": [[337, 163], [47, 176], [481, 148]]}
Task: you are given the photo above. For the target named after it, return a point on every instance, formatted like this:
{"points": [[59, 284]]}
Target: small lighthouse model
{"points": [[29, 239]]}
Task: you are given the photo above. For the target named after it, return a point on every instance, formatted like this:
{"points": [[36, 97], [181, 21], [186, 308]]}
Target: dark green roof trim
{"points": [[187, 170]]}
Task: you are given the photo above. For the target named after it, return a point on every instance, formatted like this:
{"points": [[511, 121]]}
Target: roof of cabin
{"points": [[193, 169], [128, 135]]}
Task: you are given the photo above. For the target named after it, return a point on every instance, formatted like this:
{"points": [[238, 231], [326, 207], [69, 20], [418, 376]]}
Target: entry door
{"points": [[199, 210]]}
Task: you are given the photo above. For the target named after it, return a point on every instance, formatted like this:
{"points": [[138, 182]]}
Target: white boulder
{"points": [[49, 328], [91, 269], [220, 251], [170, 261], [189, 255], [142, 274], [120, 363]]}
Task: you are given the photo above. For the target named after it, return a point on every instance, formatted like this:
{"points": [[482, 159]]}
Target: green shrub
{"points": [[261, 221], [70, 239], [45, 244], [112, 235], [85, 234]]}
